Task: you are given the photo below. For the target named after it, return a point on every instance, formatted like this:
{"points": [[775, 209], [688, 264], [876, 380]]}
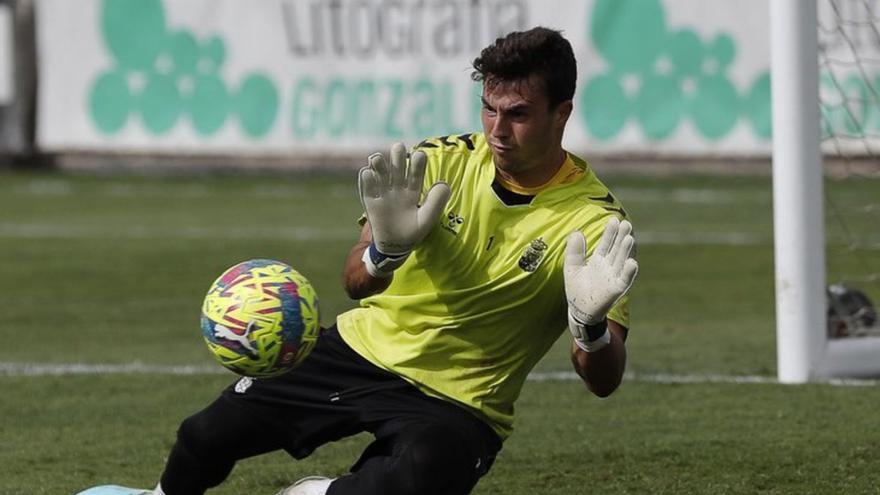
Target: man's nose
{"points": [[501, 126]]}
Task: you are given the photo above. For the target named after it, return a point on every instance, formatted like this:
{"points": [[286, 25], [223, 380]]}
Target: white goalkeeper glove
{"points": [[390, 197], [594, 284]]}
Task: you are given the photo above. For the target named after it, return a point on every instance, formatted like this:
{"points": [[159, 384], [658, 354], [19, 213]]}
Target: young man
{"points": [[472, 260]]}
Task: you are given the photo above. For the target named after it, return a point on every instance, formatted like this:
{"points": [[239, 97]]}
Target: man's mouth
{"points": [[501, 148]]}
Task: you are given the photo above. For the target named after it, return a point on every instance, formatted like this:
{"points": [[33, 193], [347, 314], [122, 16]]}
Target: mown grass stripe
{"points": [[65, 369], [54, 231]]}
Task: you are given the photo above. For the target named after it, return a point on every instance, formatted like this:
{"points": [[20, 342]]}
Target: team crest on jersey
{"points": [[533, 255], [453, 222]]}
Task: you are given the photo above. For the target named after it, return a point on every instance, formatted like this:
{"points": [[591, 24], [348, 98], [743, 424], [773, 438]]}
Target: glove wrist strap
{"points": [[590, 338], [379, 264]]}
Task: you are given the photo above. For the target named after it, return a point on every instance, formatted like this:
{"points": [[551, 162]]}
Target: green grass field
{"points": [[112, 269]]}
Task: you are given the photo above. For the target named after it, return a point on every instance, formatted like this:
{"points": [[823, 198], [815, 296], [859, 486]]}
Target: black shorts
{"points": [[336, 393]]}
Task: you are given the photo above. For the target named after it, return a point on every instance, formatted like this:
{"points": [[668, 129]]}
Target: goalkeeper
{"points": [[476, 252]]}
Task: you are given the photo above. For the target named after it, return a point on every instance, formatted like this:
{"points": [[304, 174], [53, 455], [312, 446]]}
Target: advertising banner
{"points": [[275, 77]]}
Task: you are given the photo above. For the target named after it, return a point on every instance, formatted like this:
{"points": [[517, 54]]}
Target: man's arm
{"points": [[358, 283], [390, 192], [592, 286], [602, 370]]}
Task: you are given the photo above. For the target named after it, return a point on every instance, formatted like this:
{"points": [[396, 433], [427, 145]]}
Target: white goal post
{"points": [[804, 352]]}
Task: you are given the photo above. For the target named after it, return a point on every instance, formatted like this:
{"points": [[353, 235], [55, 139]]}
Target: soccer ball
{"points": [[260, 318]]}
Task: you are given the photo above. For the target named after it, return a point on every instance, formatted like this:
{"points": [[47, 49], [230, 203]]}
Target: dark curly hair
{"points": [[540, 51]]}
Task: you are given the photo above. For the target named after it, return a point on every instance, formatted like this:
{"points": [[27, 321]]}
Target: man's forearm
{"points": [[602, 370], [358, 283]]}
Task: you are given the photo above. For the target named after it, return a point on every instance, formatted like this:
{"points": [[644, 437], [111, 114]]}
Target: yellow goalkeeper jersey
{"points": [[481, 299]]}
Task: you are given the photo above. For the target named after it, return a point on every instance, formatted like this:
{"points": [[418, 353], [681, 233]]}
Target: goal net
{"points": [[849, 102], [838, 281]]}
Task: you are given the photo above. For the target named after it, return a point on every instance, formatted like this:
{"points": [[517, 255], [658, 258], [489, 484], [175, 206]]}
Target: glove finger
{"points": [[398, 165], [576, 249], [416, 176], [622, 252], [608, 237], [629, 272], [625, 228], [368, 185], [380, 168], [618, 253], [435, 201]]}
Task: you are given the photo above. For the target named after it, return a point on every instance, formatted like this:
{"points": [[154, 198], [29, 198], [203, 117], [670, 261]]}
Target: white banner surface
{"points": [[275, 77]]}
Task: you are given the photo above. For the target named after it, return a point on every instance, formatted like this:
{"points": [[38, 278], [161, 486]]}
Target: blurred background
{"points": [[147, 145]]}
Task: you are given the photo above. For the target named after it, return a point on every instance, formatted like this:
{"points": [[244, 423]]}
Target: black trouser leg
{"points": [[416, 460], [210, 442]]}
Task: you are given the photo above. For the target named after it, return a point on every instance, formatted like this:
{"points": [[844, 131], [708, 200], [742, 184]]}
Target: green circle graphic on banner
{"points": [[723, 50], [134, 31], [617, 27], [758, 107], [686, 52], [184, 52], [160, 103], [257, 105], [605, 106], [209, 104], [213, 55], [110, 102], [660, 105], [715, 107]]}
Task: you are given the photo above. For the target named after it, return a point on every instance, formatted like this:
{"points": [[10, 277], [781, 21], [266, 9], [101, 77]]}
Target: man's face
{"points": [[523, 132]]}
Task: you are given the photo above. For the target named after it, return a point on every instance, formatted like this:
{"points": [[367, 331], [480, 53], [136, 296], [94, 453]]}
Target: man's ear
{"points": [[563, 112]]}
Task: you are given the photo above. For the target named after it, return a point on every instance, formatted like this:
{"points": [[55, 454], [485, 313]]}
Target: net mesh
{"points": [[849, 102]]}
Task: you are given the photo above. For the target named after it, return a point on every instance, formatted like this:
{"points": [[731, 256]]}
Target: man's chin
{"points": [[504, 163]]}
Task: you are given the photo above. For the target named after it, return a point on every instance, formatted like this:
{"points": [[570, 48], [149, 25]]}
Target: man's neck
{"points": [[536, 176]]}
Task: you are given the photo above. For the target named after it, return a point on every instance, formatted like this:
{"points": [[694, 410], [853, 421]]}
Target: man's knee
{"points": [[199, 437], [224, 432], [433, 460], [194, 464]]}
